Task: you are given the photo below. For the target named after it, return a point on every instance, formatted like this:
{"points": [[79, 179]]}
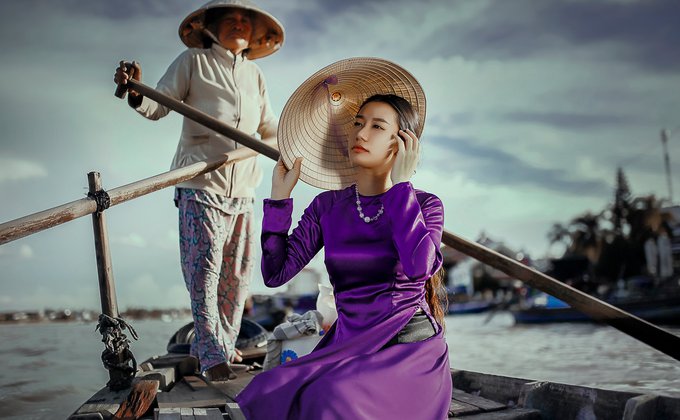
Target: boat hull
{"points": [[658, 311]]}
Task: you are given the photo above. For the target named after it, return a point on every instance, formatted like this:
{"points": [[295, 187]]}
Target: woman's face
{"points": [[234, 30], [373, 139]]}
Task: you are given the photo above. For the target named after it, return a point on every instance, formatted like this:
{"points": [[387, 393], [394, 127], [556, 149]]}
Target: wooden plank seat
{"points": [[191, 392], [187, 414]]}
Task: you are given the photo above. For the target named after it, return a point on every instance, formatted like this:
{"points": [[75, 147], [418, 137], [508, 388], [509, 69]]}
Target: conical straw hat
{"points": [[267, 35], [318, 117]]}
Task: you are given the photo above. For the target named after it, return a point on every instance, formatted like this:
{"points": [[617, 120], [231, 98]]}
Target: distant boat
{"points": [[271, 310], [299, 297], [470, 307], [546, 309]]}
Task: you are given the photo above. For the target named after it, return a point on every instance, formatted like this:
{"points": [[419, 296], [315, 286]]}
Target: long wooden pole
{"points": [[644, 331], [107, 288], [36, 222]]}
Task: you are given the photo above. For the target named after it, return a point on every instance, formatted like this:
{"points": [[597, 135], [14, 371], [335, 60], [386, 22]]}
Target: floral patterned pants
{"points": [[216, 244]]}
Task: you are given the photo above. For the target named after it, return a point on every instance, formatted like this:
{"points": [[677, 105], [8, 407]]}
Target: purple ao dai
{"points": [[378, 271]]}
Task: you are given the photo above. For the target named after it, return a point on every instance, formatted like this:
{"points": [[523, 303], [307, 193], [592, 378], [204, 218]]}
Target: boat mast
{"points": [[665, 135]]}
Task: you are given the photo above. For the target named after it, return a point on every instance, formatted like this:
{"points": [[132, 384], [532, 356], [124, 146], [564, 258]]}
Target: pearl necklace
{"points": [[361, 213]]}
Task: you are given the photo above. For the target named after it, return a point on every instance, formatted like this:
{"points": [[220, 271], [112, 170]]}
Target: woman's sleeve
{"points": [[416, 230], [283, 255]]}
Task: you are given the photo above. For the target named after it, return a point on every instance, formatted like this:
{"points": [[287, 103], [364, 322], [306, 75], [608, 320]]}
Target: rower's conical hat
{"points": [[317, 119], [267, 35]]}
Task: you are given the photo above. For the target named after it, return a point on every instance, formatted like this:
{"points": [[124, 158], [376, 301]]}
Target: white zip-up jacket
{"points": [[231, 89]]}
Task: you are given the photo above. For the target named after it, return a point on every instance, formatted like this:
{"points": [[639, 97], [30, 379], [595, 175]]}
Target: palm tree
{"points": [[622, 201], [623, 254], [586, 236], [645, 217], [613, 240], [559, 234]]}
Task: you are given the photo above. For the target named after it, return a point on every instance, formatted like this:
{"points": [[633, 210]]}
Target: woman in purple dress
{"points": [[385, 357]]}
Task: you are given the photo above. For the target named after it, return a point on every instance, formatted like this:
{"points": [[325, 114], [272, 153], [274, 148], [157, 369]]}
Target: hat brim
{"points": [[267, 37], [317, 119]]}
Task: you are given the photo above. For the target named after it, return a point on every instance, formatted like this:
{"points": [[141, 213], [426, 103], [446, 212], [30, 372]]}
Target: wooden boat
{"points": [[168, 387]]}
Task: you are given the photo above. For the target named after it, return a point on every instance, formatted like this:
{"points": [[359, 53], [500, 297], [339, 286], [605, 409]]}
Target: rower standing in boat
{"points": [[216, 75], [385, 357]]}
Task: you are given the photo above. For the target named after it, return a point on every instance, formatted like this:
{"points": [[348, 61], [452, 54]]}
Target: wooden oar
{"points": [[201, 118], [600, 311]]}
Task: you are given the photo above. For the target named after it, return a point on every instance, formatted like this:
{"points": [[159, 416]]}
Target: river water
{"points": [[48, 370]]}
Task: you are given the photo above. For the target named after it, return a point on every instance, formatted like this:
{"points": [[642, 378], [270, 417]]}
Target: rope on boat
{"points": [[117, 357], [102, 199]]}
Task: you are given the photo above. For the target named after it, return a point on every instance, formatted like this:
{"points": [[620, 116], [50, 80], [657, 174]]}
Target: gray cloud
{"points": [[458, 119], [642, 32], [118, 10], [20, 169], [570, 121], [493, 166], [650, 30]]}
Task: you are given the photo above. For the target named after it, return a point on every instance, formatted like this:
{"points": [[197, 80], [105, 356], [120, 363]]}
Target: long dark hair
{"points": [[435, 289], [437, 296], [407, 116]]}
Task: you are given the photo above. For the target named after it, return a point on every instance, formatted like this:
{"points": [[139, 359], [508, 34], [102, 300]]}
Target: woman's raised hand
{"points": [[284, 180], [407, 157]]}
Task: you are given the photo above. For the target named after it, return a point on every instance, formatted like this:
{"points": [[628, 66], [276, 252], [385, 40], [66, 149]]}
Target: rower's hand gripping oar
{"points": [[121, 89]]}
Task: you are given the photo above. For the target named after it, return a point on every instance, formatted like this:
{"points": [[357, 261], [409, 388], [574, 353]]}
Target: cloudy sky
{"points": [[532, 105]]}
